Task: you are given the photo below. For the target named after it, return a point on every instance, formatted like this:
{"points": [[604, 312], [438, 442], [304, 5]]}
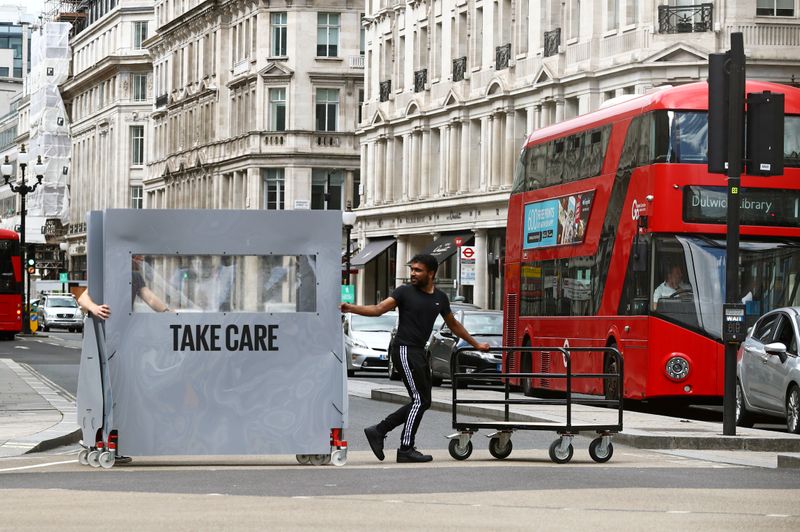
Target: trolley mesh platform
{"points": [[561, 450]]}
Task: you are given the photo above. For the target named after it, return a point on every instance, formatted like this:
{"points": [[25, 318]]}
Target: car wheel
{"points": [[610, 385], [793, 410], [743, 417]]}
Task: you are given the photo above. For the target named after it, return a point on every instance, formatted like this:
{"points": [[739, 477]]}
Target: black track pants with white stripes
{"points": [[412, 365]]}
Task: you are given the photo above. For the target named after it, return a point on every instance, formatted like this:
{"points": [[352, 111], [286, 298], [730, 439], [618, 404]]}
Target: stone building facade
{"points": [[453, 87], [256, 105]]}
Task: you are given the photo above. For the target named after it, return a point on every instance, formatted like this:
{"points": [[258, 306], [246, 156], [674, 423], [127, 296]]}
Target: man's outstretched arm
{"points": [[370, 310]]}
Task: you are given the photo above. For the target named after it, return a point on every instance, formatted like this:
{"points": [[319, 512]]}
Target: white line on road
{"points": [[36, 466], [21, 347]]}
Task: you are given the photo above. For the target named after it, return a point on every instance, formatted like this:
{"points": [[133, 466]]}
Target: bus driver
{"points": [[672, 283]]}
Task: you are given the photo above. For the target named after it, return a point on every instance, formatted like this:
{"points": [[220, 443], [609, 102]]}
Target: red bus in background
{"points": [[616, 237], [10, 285]]}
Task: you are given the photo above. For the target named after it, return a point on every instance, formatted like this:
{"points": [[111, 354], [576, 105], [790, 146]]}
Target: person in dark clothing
{"points": [[418, 304], [138, 288]]}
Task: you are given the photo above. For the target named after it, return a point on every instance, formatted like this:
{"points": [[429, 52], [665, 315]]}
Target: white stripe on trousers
{"points": [[417, 401]]}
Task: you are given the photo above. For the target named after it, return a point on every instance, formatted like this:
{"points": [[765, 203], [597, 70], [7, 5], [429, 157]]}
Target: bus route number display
{"points": [[557, 221]]}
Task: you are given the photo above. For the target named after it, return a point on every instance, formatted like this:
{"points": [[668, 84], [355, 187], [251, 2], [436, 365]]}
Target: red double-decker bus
{"points": [[10, 285], [616, 237]]}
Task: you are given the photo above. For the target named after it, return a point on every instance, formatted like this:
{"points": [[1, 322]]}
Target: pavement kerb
{"points": [[755, 440], [65, 432]]}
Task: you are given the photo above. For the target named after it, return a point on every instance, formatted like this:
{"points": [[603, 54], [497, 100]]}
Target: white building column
{"points": [[463, 174], [480, 292], [380, 171], [389, 171], [510, 151], [530, 120], [400, 269], [369, 175], [425, 170], [560, 110], [453, 159], [406, 165], [496, 152], [486, 125], [413, 178], [444, 161]]}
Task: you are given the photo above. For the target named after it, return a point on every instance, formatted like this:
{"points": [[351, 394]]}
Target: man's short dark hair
{"points": [[429, 261]]}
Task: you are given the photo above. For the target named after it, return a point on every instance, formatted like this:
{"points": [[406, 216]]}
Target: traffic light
{"points": [[765, 133], [31, 263], [718, 108]]}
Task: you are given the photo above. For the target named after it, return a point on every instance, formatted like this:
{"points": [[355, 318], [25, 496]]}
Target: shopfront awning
{"points": [[444, 246], [371, 250]]}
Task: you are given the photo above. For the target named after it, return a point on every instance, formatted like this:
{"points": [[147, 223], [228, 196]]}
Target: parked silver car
{"points": [[768, 370], [366, 340]]}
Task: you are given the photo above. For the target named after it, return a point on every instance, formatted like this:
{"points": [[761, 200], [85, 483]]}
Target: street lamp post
{"points": [[23, 189], [348, 220]]}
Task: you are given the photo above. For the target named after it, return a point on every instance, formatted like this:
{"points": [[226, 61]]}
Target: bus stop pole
{"points": [[736, 78]]}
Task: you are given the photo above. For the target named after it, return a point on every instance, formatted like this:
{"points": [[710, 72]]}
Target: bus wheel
{"points": [[610, 387], [526, 367]]}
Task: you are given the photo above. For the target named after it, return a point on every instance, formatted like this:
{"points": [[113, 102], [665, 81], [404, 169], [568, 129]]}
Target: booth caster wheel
{"points": [[458, 451], [318, 459], [601, 453], [303, 459], [106, 460], [499, 451], [559, 454], [339, 457], [82, 457], [93, 458]]}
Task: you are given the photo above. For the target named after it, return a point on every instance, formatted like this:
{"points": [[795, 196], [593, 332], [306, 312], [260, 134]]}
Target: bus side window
{"points": [[555, 162], [635, 298], [572, 158], [535, 166]]}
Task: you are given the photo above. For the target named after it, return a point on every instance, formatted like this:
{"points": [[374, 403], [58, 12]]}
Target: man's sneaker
{"points": [[375, 439], [119, 459], [412, 455]]}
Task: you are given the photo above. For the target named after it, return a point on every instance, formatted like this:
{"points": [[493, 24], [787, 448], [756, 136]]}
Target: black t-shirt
{"points": [[418, 312], [137, 283]]}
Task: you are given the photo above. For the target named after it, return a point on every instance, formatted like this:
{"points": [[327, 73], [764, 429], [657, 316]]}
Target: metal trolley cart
{"points": [[224, 339], [561, 450]]}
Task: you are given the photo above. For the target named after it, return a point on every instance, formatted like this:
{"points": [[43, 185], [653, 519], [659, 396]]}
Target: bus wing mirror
{"points": [[641, 252]]}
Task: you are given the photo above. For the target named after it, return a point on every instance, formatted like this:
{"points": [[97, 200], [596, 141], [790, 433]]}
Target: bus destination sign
{"points": [[759, 206], [558, 221]]}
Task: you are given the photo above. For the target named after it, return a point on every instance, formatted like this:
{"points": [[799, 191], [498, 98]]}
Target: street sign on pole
{"points": [[348, 293], [63, 277], [459, 241], [467, 254]]}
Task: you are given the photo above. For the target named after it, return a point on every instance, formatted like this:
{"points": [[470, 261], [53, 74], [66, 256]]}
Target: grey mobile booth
{"points": [[248, 356]]}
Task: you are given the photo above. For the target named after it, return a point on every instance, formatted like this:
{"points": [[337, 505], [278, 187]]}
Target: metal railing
{"points": [[685, 19]]}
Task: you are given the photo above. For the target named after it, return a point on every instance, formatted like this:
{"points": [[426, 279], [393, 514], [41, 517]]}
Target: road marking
{"points": [[678, 512], [21, 347], [36, 466], [777, 515]]}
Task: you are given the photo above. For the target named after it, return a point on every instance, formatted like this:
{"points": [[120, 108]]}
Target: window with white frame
{"points": [[362, 41], [139, 34], [612, 14], [279, 32], [274, 188], [139, 87], [631, 12], [277, 109], [574, 27], [137, 145], [137, 199], [775, 8], [327, 34], [327, 109]]}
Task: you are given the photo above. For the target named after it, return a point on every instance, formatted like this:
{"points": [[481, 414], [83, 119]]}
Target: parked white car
{"points": [[768, 370], [366, 341]]}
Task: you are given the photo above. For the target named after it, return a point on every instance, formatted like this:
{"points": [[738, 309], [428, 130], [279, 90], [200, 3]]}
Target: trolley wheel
{"points": [[596, 453], [339, 457], [106, 459], [497, 451], [457, 451], [82, 457], [93, 458], [302, 459], [557, 455], [316, 459]]}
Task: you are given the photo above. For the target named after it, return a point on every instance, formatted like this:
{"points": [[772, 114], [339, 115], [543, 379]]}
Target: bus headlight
{"points": [[677, 368]]}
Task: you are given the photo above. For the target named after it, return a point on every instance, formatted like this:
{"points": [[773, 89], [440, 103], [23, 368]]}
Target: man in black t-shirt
{"points": [[418, 304]]}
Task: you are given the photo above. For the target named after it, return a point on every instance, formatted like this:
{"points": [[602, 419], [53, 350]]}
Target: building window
{"points": [[775, 8], [139, 34], [275, 187], [327, 34], [360, 104], [279, 29], [327, 109], [4, 72], [326, 189], [139, 87], [277, 109], [137, 145], [137, 201], [612, 14]]}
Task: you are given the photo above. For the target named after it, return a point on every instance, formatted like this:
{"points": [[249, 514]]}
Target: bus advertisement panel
{"points": [[616, 237]]}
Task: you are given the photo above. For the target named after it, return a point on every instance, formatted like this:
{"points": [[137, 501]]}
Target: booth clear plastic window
{"points": [[224, 283]]}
